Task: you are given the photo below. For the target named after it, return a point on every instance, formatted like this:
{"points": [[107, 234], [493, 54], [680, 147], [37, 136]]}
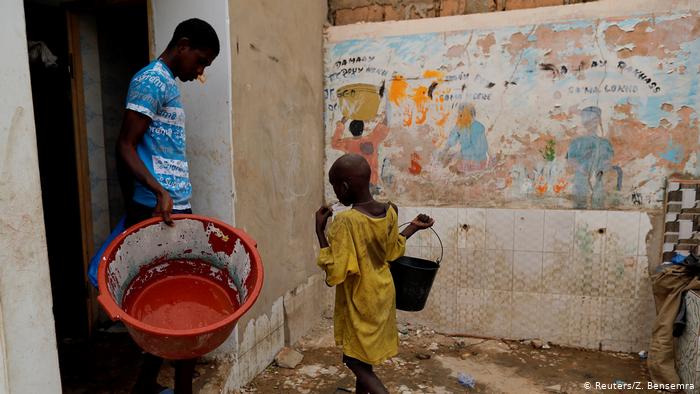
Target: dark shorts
{"points": [[136, 213]]}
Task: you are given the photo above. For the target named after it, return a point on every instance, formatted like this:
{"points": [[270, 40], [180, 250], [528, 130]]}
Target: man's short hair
{"points": [[200, 34]]}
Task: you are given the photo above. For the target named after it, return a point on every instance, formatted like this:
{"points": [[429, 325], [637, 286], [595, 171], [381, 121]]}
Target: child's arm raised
{"points": [[322, 216], [421, 222]]}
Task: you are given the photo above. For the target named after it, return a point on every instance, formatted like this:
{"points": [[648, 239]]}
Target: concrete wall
{"points": [[519, 262], [273, 147], [343, 12], [207, 107], [4, 374], [29, 362], [278, 151]]}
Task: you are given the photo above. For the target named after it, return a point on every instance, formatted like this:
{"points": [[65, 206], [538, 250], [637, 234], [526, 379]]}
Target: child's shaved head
{"points": [[350, 176], [351, 166]]}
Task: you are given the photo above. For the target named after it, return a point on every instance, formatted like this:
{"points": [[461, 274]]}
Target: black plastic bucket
{"points": [[413, 278]]}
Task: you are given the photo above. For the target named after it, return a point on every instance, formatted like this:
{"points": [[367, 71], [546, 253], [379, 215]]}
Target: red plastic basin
{"points": [[197, 246]]}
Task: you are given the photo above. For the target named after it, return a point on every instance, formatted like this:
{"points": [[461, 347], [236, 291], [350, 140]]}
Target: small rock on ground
{"points": [[288, 358], [423, 356]]}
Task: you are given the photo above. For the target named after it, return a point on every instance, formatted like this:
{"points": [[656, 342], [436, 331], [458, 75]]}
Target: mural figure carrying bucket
{"points": [[359, 102]]}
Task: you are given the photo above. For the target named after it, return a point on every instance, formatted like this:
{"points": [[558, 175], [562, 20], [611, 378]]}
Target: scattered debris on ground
{"points": [[430, 362]]}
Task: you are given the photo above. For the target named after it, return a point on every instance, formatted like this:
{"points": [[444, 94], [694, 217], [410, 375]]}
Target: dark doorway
{"points": [[53, 116], [93, 357]]}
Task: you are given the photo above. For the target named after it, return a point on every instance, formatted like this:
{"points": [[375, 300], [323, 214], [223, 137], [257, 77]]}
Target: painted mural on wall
{"points": [[580, 114]]}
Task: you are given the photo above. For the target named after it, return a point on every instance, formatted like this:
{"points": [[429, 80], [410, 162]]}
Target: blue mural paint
{"points": [[348, 48], [591, 156], [472, 141], [674, 153], [412, 48], [530, 56], [651, 112], [692, 92], [628, 24], [574, 25]]}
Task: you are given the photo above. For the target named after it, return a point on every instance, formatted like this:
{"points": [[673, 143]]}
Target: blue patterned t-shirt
{"points": [[154, 93]]}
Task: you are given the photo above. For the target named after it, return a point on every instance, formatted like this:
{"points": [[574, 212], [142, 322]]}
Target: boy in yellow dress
{"points": [[361, 242]]}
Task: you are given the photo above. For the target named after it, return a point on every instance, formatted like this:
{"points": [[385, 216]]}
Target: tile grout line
{"points": [[512, 262], [544, 224], [512, 277]]}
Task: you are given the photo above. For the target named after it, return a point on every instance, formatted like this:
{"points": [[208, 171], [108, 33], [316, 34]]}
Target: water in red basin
{"points": [[180, 302]]}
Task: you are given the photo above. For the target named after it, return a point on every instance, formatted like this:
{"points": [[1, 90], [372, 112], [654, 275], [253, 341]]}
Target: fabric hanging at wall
{"points": [[40, 52]]}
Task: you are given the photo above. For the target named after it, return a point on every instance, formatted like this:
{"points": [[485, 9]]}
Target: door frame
{"points": [[81, 158]]}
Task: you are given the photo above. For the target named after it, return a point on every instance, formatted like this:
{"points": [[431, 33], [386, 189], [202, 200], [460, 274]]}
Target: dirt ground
{"points": [[429, 362]]}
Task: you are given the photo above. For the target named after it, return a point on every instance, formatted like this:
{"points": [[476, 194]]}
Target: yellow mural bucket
{"points": [[359, 101]]}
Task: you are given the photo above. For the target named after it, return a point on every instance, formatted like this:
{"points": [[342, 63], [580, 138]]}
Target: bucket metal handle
{"points": [[442, 249]]}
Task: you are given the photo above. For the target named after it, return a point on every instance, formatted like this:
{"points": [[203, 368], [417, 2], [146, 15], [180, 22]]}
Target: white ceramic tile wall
{"points": [[529, 230], [499, 229], [589, 231], [559, 231], [527, 271], [571, 277], [622, 233], [644, 229], [472, 233]]}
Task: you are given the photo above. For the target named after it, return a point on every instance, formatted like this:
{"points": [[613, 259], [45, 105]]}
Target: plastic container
{"points": [[151, 251]]}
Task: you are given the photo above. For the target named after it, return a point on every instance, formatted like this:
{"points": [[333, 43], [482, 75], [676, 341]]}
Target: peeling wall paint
{"points": [[581, 114]]}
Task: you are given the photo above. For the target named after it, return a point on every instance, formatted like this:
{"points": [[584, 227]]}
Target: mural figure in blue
{"points": [[591, 155], [471, 136]]}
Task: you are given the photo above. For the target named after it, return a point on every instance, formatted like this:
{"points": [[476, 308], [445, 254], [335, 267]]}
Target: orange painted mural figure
{"points": [[365, 145]]}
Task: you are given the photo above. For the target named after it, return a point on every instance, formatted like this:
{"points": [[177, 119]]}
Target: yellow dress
{"points": [[365, 300]]}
